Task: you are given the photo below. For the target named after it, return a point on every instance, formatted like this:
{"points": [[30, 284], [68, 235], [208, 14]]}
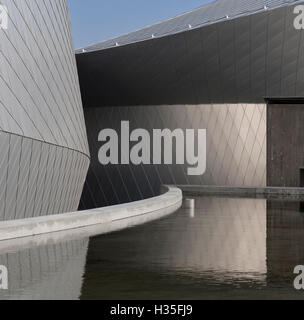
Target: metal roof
{"points": [[219, 10]]}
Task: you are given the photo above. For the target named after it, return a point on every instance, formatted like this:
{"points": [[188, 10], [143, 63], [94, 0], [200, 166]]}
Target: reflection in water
{"points": [[285, 241], [226, 248], [184, 256], [46, 272]]}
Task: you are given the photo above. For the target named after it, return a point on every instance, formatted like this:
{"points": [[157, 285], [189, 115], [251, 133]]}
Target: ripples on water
{"points": [[227, 248]]}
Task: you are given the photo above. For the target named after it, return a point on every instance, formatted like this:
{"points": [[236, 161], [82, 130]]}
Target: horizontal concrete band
{"points": [[119, 216], [244, 191]]}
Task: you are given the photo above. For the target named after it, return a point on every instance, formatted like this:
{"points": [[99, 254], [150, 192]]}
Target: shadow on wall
{"points": [[236, 150]]}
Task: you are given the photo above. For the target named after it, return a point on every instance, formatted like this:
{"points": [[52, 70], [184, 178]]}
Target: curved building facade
{"points": [[208, 71], [44, 151], [211, 69]]}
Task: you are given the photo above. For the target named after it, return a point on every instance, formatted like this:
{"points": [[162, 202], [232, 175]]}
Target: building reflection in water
{"points": [[285, 239], [227, 235], [225, 248], [224, 242], [46, 272]]}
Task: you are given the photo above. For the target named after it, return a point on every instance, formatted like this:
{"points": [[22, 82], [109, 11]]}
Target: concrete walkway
{"points": [[111, 218]]}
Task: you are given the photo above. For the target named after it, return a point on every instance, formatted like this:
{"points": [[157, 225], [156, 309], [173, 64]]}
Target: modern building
{"points": [[44, 151], [232, 67], [211, 68]]}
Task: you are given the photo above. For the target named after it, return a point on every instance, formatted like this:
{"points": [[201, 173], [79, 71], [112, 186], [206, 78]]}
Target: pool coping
{"points": [[113, 218], [243, 191]]}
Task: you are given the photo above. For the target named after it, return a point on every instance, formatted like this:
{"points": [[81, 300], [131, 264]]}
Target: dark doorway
{"points": [[285, 147], [302, 186], [302, 177]]}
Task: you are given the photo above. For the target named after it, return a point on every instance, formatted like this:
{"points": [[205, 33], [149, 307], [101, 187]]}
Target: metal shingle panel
{"points": [[207, 14]]}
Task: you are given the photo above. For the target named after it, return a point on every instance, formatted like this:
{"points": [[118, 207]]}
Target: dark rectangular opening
{"points": [[285, 136], [285, 100], [301, 177]]}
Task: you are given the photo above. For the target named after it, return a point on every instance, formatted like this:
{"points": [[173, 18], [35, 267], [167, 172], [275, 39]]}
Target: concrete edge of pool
{"points": [[244, 191], [114, 218]]}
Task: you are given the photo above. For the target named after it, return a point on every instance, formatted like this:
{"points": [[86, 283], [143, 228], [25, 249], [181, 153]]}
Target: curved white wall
{"points": [[106, 220], [44, 151]]}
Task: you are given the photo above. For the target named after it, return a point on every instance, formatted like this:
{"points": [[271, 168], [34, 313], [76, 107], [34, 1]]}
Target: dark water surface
{"points": [[226, 248]]}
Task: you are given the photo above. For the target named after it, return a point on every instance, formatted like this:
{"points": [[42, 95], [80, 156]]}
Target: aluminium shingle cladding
{"points": [[239, 60], [39, 87], [44, 154], [236, 150], [217, 11], [214, 77]]}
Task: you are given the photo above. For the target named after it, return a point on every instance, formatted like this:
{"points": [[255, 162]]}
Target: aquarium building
{"points": [[232, 67]]}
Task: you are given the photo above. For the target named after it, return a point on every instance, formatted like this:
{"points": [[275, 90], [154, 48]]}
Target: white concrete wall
{"points": [[112, 218]]}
